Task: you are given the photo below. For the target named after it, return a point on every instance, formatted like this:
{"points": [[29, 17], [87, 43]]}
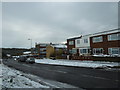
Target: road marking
{"points": [[26, 65], [98, 77], [56, 71], [60, 71]]}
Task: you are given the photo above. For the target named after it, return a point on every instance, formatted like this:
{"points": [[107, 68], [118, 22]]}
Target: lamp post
{"points": [[30, 44]]}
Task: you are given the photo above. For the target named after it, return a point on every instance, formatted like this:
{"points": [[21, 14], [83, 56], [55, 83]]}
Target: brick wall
{"points": [[105, 44]]}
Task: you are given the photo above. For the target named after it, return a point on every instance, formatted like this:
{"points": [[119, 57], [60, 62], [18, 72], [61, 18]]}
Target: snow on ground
{"points": [[15, 79], [0, 76], [102, 55], [92, 64]]}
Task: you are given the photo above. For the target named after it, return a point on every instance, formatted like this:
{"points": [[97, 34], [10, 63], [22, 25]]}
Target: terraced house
{"points": [[71, 45], [83, 45], [101, 43], [107, 42]]}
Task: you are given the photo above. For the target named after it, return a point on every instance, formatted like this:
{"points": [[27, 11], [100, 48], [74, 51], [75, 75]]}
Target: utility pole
{"points": [[30, 44]]}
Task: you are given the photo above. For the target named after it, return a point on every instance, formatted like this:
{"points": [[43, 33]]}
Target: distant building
{"points": [[41, 49], [27, 53], [56, 50], [107, 42], [45, 50]]}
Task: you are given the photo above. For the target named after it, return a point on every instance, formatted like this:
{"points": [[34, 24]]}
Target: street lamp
{"points": [[30, 44]]}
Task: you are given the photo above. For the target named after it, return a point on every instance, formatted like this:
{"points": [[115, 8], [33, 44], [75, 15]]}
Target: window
{"points": [[78, 41], [42, 49], [42, 52], [57, 49], [114, 50], [97, 39], [85, 40], [74, 51], [70, 51], [97, 51], [71, 42], [84, 51], [114, 37]]}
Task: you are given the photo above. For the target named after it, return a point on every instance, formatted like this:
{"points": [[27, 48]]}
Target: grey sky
{"points": [[0, 24], [54, 22]]}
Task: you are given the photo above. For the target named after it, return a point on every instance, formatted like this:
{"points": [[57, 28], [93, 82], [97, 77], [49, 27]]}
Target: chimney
{"points": [[50, 43]]}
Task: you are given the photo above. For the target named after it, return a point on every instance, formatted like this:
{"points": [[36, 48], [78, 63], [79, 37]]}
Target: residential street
{"points": [[80, 77]]}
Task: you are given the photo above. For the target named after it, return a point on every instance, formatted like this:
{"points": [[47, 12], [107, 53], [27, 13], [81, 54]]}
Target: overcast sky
{"points": [[54, 22]]}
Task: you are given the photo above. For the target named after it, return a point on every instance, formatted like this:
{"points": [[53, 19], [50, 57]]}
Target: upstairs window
{"points": [[78, 41], [97, 39], [85, 40], [71, 42], [42, 49], [114, 37], [43, 52]]}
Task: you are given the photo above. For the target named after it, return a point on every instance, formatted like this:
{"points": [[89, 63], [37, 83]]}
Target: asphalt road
{"points": [[85, 78]]}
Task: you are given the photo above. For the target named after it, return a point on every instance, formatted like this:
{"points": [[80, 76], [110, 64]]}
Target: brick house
{"points": [[107, 42], [71, 44]]}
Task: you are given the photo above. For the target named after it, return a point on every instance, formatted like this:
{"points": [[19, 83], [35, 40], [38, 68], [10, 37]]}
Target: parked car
{"points": [[30, 60], [0, 61], [53, 58], [16, 58], [22, 59]]}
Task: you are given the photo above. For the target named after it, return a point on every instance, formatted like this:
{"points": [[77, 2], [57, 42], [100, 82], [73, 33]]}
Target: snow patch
{"points": [[102, 55], [15, 79], [92, 64]]}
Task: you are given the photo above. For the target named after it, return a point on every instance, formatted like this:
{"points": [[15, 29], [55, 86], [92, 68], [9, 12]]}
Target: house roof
{"points": [[27, 52], [74, 38], [59, 46], [98, 33], [107, 32]]}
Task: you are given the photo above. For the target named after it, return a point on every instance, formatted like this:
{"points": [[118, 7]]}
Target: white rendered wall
{"points": [[82, 44]]}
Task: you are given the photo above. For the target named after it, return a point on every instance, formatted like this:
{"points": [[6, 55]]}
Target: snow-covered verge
{"points": [[92, 64], [0, 76], [102, 55], [12, 78]]}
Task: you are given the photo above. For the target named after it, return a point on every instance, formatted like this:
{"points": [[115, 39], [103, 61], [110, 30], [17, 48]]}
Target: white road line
{"points": [[60, 71], [98, 77], [27, 65], [56, 71]]}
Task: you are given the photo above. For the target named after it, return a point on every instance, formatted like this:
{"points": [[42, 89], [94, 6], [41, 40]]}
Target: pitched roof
{"points": [[59, 46], [74, 38]]}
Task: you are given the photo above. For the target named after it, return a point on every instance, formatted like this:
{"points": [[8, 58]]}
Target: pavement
{"points": [[84, 78]]}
